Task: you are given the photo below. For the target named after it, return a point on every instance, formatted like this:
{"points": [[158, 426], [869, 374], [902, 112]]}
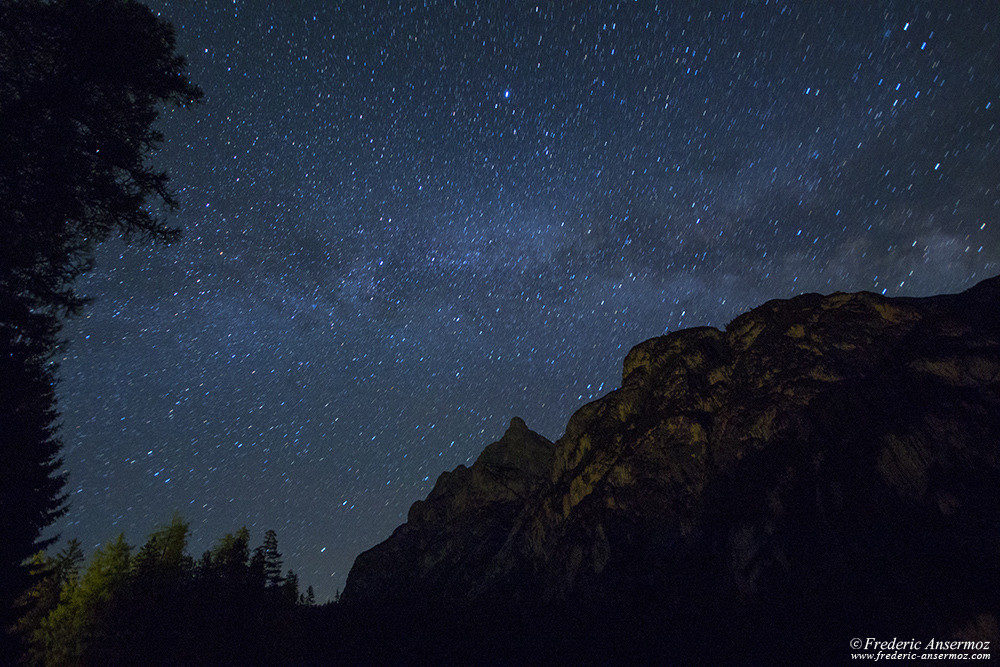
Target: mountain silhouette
{"points": [[826, 468]]}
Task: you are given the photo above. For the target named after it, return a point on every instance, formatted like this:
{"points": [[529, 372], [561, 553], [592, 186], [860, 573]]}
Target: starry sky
{"points": [[406, 223]]}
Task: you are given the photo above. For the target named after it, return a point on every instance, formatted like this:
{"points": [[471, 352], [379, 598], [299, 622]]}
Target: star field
{"points": [[406, 223]]}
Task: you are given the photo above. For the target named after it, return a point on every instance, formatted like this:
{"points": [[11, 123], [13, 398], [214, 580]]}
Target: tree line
{"points": [[158, 605]]}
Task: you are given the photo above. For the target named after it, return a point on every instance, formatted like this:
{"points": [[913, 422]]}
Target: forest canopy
{"points": [[158, 604]]}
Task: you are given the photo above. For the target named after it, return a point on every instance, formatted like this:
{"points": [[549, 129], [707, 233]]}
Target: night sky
{"points": [[406, 223]]}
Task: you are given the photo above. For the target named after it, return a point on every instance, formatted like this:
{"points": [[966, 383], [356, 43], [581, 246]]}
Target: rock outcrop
{"points": [[467, 517], [827, 467]]}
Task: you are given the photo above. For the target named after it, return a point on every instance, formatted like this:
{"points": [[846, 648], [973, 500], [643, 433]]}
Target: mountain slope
{"points": [[827, 467]]}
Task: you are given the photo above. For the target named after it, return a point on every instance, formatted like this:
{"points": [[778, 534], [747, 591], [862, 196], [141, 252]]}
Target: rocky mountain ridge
{"points": [[826, 467]]}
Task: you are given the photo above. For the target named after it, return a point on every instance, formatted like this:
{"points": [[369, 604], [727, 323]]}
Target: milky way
{"points": [[406, 224]]}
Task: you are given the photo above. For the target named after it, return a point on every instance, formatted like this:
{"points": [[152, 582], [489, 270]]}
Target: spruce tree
{"points": [[272, 559]]}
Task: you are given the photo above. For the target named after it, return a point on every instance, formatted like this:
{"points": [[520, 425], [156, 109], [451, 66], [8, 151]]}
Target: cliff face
{"points": [[449, 540], [827, 466]]}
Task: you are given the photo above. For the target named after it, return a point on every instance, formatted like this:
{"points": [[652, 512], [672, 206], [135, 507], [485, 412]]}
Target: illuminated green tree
{"points": [[80, 617]]}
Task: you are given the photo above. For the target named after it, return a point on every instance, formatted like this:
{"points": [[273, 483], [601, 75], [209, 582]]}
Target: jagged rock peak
{"points": [[820, 469], [519, 448]]}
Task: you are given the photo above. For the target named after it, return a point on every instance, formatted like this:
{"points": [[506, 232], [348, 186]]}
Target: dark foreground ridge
{"points": [[825, 468]]}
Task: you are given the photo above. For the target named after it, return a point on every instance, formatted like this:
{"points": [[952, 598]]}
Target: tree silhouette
{"points": [[156, 606], [290, 588], [81, 83], [272, 559], [30, 486]]}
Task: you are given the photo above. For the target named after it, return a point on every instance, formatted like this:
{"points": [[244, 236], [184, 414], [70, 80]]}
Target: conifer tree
{"points": [[272, 559], [81, 83], [67, 633], [157, 607], [258, 568], [166, 549], [52, 575], [290, 587]]}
